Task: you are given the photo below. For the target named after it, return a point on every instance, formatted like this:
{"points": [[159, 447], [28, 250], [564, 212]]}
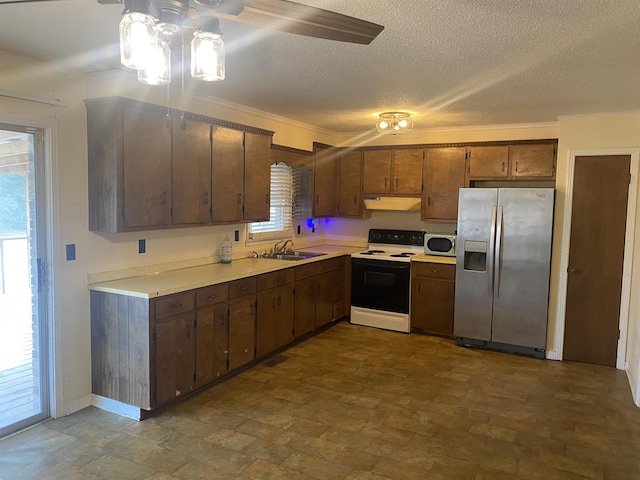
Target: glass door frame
{"points": [[46, 231]]}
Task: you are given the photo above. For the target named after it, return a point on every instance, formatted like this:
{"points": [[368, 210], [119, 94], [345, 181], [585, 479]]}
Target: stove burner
{"points": [[403, 254], [372, 252]]}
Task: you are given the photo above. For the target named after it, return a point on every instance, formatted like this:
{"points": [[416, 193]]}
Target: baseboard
{"points": [[552, 355], [76, 405], [632, 377], [116, 407]]}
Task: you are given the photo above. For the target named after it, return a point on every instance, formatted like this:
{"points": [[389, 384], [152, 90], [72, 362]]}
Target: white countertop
{"points": [[434, 259], [181, 279]]}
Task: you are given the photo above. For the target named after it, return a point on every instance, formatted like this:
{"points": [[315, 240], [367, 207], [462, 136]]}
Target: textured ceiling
{"points": [[453, 63]]}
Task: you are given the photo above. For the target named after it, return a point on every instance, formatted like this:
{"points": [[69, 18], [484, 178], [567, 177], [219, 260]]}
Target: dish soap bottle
{"points": [[225, 250]]}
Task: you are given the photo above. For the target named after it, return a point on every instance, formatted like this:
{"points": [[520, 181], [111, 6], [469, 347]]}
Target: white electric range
{"points": [[380, 279]]}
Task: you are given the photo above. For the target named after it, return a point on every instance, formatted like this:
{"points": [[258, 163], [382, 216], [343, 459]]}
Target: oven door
{"points": [[380, 285]]}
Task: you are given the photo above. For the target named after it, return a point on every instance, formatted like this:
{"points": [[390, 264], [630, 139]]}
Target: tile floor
{"points": [[360, 403]]}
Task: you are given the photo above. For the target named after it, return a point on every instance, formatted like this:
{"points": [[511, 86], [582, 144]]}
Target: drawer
{"points": [[275, 279], [437, 270], [212, 295], [174, 304], [305, 271], [330, 265], [245, 286]]}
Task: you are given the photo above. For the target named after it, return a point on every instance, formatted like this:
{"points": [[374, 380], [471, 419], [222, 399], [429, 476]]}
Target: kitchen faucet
{"points": [[284, 246]]}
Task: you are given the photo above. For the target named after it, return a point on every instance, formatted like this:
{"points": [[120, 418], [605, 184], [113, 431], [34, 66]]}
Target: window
{"points": [[280, 222]]}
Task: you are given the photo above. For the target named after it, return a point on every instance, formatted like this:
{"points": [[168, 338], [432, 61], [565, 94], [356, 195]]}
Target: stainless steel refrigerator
{"points": [[503, 259]]}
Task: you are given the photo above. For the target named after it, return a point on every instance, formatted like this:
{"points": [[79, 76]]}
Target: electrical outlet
{"points": [[142, 245], [237, 235], [71, 252]]}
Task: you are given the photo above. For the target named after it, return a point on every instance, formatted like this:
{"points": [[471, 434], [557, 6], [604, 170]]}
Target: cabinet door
{"points": [[376, 171], [265, 323], [174, 357], [241, 331], [284, 316], [534, 161], [146, 168], [191, 167], [433, 298], [305, 306], [227, 173], [325, 182], [488, 162], [339, 308], [443, 178], [350, 184], [257, 176], [212, 343], [324, 299], [407, 172]]}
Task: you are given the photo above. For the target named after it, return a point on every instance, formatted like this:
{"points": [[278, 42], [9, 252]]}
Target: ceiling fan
{"points": [[280, 15], [147, 27]]}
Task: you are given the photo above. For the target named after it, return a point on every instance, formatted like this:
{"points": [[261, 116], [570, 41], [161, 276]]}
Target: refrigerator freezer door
{"points": [[474, 260], [522, 263]]}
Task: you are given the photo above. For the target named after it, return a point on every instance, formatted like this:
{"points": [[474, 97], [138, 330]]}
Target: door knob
{"points": [[575, 271]]}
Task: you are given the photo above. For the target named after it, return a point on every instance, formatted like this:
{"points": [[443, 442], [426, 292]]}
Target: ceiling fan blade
{"points": [[299, 19], [13, 2]]}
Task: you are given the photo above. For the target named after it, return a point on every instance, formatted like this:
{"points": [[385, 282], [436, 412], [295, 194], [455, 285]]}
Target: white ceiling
{"points": [[453, 63]]}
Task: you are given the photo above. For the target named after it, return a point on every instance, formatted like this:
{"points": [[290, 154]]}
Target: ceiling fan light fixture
{"points": [[158, 68], [137, 33], [394, 123], [207, 52]]}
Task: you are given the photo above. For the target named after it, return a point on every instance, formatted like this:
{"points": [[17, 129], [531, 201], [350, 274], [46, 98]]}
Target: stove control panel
{"points": [[396, 237]]}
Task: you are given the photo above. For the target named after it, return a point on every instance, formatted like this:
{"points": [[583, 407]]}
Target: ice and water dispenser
{"points": [[475, 256]]}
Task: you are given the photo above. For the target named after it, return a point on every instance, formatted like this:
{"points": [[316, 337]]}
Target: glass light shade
{"points": [[137, 33], [158, 68], [207, 56], [394, 122]]}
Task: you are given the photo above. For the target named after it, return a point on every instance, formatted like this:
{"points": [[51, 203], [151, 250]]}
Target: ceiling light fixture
{"points": [[144, 41], [394, 123]]}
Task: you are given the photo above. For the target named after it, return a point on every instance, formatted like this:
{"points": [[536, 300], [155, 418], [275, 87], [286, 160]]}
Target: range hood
{"points": [[398, 204]]}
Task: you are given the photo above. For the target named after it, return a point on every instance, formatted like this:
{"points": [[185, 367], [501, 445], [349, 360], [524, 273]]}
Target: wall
{"points": [[605, 131]]}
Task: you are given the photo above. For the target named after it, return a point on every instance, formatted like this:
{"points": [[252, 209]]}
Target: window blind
{"points": [[280, 222]]}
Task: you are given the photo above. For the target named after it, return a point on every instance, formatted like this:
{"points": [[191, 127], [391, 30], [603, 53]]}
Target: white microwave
{"points": [[440, 244]]}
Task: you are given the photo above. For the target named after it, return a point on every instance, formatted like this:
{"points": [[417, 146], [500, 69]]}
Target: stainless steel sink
{"points": [[292, 255]]}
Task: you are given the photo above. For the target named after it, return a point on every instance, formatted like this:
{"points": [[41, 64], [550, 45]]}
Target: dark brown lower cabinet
{"points": [[432, 298], [174, 357], [149, 352], [242, 318]]}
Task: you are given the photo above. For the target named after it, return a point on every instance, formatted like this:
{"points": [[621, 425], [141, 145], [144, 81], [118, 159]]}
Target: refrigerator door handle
{"points": [[490, 262], [498, 254]]}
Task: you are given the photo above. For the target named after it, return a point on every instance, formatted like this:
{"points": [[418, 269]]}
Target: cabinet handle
{"points": [[251, 310], [163, 198], [188, 331], [317, 198], [175, 305], [516, 166], [419, 288], [503, 166], [279, 300], [205, 198], [239, 198], [355, 199], [396, 183], [429, 200], [386, 180], [266, 198]]}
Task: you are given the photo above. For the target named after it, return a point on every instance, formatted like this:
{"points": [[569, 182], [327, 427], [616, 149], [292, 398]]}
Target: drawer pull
{"points": [[212, 296], [243, 288], [175, 305]]}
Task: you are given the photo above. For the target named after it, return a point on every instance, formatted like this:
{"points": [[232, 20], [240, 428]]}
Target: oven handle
{"points": [[387, 264]]}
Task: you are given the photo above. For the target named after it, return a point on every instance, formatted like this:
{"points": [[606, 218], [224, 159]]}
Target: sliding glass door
{"points": [[24, 397]]}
